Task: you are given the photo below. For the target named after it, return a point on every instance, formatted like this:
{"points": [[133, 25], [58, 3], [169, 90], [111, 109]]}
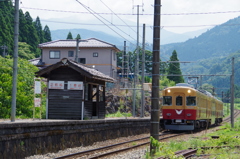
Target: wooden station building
{"points": [[75, 91]]}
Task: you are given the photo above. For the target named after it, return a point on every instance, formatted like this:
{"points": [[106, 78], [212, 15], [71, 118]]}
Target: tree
{"points": [[32, 37], [26, 74], [6, 25], [78, 36], [23, 30], [69, 35], [47, 34], [174, 69], [24, 51], [38, 27]]}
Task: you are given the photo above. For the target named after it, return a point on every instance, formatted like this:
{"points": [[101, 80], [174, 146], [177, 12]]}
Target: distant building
{"points": [[95, 53]]}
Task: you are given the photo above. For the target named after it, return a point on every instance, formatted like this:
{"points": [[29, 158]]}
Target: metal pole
{"points": [[143, 70], [232, 94], [154, 130], [136, 65], [77, 48], [15, 61]]}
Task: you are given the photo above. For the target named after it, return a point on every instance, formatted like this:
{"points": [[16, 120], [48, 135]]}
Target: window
{"points": [[191, 101], [179, 100], [70, 53], [167, 100], [82, 60], [95, 54], [54, 54]]}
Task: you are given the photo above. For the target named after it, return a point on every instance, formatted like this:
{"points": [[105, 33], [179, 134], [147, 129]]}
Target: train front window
{"points": [[179, 100], [191, 101], [167, 100]]}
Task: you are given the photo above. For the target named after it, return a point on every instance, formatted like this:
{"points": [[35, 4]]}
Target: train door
{"points": [[179, 104]]}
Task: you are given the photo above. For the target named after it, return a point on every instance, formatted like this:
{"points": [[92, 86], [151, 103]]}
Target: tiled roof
{"points": [[87, 71], [92, 42]]}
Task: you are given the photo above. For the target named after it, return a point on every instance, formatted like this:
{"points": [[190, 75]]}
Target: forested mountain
{"points": [[220, 68], [30, 32], [218, 41]]}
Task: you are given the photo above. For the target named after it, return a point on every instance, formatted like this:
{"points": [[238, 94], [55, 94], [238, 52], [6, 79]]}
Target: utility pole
{"points": [[77, 49], [143, 70], [136, 65], [232, 94], [15, 61], [154, 130]]}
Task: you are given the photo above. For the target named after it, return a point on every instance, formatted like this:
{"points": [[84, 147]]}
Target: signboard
{"points": [[56, 85], [75, 85], [37, 87], [37, 102], [192, 80]]}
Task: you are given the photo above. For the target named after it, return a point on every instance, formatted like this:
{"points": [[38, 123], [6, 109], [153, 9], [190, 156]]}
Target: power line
{"points": [[91, 11], [145, 14]]}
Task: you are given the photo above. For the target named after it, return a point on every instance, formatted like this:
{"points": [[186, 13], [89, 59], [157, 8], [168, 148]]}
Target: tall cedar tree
{"points": [[32, 37], [38, 27], [6, 26], [27, 29], [47, 34], [78, 36], [23, 30], [69, 36], [174, 68]]}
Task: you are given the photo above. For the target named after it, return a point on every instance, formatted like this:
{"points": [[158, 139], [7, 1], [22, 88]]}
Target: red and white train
{"points": [[186, 108]]}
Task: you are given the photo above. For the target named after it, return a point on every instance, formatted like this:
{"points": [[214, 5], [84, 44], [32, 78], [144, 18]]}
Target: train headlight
{"points": [[189, 91], [168, 90], [169, 114], [189, 114]]}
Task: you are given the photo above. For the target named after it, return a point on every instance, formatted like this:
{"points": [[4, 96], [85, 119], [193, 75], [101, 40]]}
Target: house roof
{"points": [[81, 68], [92, 42]]}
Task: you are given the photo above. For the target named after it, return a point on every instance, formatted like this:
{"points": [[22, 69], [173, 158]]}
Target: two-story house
{"points": [[92, 52]]}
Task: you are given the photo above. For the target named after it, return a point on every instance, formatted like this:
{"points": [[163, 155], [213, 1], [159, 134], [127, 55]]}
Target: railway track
{"points": [[107, 151], [117, 148], [236, 114]]}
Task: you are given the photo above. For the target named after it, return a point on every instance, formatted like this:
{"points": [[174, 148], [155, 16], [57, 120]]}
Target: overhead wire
{"points": [[91, 11], [144, 14]]}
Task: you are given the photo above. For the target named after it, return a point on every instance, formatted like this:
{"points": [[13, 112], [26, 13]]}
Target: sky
{"points": [[119, 16]]}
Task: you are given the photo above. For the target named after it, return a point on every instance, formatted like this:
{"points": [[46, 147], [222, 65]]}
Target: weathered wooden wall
{"points": [[18, 140]]}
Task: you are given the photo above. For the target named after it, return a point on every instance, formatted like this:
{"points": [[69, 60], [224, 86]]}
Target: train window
{"points": [[191, 101], [179, 100], [167, 100]]}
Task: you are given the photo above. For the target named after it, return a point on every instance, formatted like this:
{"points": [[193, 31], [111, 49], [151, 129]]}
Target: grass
{"points": [[227, 137], [118, 114]]}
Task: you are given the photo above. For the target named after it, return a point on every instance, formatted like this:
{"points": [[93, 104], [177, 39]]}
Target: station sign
{"points": [[37, 102], [75, 85], [56, 85], [37, 87]]}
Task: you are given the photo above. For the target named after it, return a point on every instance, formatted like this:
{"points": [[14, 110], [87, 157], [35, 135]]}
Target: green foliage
{"points": [[216, 42], [24, 51], [38, 27], [47, 34], [29, 32], [78, 36], [174, 69], [69, 36], [165, 82], [26, 72], [118, 114], [227, 137]]}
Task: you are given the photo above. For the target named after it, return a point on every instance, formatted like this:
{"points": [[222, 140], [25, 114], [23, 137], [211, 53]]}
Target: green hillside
{"points": [[219, 41], [217, 66]]}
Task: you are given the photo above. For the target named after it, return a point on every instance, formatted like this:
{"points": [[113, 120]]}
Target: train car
{"points": [[186, 108]]}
